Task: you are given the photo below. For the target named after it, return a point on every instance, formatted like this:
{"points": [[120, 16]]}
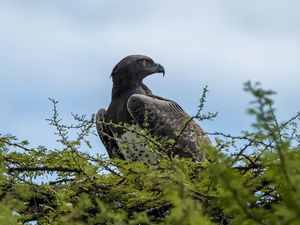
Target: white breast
{"points": [[136, 147]]}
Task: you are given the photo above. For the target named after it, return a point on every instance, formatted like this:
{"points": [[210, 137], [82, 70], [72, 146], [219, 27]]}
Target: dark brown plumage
{"points": [[134, 104]]}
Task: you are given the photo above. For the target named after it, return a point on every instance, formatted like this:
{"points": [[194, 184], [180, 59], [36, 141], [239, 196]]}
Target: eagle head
{"points": [[134, 68]]}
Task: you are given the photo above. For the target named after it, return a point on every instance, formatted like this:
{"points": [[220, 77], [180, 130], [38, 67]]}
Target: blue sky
{"points": [[67, 49]]}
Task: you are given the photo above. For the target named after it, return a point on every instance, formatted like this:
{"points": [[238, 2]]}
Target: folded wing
{"points": [[166, 119], [107, 136]]}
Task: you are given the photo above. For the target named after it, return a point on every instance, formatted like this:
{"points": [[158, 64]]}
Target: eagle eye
{"points": [[145, 62]]}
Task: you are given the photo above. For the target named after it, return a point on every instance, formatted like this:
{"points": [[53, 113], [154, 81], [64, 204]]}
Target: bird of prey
{"points": [[134, 109]]}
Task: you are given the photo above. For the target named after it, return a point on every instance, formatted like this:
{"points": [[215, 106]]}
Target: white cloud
{"points": [[65, 48]]}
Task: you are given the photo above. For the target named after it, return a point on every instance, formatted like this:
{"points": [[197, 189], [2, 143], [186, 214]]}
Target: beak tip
{"points": [[161, 69]]}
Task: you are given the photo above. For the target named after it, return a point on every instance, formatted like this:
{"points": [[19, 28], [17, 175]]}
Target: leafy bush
{"points": [[248, 179]]}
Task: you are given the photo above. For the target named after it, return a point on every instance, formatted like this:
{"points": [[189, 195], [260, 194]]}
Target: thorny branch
{"points": [[241, 160], [198, 116]]}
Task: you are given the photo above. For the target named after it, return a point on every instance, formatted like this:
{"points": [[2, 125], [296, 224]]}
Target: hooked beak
{"points": [[160, 69]]}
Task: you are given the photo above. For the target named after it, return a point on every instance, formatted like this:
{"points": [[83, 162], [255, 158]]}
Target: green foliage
{"points": [[248, 179]]}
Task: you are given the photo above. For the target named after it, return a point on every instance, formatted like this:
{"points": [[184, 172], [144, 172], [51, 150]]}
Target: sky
{"points": [[66, 50]]}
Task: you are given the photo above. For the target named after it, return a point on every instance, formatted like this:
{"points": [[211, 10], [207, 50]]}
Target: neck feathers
{"points": [[138, 88]]}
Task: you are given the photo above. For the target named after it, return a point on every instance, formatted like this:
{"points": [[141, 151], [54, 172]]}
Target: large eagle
{"points": [[134, 109]]}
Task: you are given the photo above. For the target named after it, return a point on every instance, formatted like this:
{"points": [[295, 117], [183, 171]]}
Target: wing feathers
{"points": [[106, 135], [165, 118]]}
